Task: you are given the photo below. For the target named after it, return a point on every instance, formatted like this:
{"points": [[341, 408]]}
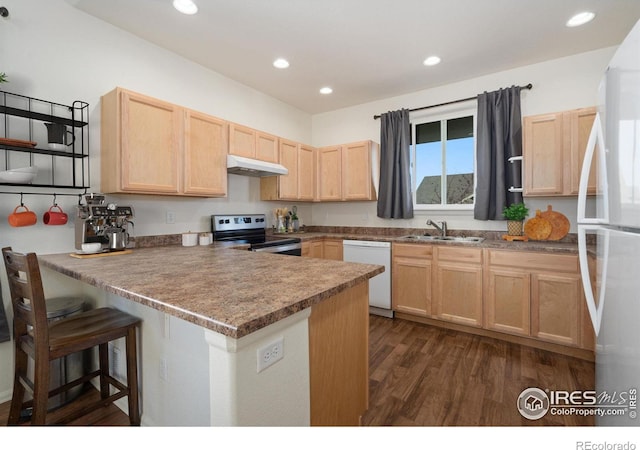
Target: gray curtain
{"points": [[394, 199], [4, 325], [499, 137]]}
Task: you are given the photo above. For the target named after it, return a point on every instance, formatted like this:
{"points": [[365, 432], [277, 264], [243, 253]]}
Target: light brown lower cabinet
{"points": [[411, 279], [538, 295], [332, 249], [533, 297], [458, 285], [508, 301], [324, 248]]}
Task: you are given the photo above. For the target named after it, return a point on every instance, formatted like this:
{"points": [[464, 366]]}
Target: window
{"points": [[443, 162]]}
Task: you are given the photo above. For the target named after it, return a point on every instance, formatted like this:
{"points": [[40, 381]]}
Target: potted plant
{"points": [[515, 215], [3, 77]]}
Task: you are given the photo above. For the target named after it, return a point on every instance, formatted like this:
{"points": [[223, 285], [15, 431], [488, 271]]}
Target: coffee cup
{"points": [[52, 217], [22, 218]]}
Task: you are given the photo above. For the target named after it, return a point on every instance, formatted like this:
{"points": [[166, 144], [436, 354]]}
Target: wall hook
{"points": [[54, 200], [4, 12], [21, 202]]}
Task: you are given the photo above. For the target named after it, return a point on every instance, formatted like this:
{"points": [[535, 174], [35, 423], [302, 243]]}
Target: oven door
{"points": [[282, 248]]}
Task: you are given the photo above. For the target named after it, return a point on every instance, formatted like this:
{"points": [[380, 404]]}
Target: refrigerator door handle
{"points": [[595, 311], [596, 140]]}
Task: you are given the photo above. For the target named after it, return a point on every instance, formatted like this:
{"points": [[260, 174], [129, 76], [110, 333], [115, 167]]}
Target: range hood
{"points": [[240, 165]]}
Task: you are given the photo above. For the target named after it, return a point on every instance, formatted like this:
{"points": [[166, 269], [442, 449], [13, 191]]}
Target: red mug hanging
{"points": [[52, 217]]}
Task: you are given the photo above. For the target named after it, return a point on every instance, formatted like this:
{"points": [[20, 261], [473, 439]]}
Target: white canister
{"points": [[203, 239], [189, 239]]}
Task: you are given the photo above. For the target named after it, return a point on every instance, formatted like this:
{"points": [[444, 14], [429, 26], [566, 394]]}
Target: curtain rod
{"points": [[528, 86]]}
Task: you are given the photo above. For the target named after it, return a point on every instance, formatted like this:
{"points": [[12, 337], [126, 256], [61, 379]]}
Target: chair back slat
{"points": [[27, 295]]}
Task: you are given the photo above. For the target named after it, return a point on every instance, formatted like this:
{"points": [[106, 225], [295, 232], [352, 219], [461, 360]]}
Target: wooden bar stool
{"points": [[35, 337]]}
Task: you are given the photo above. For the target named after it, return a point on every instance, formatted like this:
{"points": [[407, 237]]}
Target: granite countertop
{"points": [[232, 292], [492, 240]]}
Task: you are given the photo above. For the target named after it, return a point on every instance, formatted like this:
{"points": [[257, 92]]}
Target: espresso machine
{"points": [[107, 224]]}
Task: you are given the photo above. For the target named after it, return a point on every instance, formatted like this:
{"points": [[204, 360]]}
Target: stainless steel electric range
{"points": [[252, 229]]}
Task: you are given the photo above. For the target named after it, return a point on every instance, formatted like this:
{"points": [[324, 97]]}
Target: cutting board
{"points": [[99, 255], [559, 223], [537, 228]]}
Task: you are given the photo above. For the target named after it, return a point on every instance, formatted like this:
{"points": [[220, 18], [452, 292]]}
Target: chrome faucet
{"points": [[442, 228]]}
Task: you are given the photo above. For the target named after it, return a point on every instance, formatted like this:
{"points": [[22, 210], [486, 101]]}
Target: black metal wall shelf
{"points": [[26, 118]]}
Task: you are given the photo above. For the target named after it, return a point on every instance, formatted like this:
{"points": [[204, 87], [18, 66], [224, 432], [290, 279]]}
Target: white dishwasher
{"points": [[373, 252]]}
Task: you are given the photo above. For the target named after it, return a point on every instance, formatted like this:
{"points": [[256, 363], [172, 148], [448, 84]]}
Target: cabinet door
{"points": [[266, 147], [458, 295], [507, 302], [306, 172], [330, 173], [316, 249], [356, 171], [306, 249], [288, 184], [543, 154], [151, 140], [580, 122], [556, 308], [332, 249], [411, 285], [242, 141], [205, 155]]}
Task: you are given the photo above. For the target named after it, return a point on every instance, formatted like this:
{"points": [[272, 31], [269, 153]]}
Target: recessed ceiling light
{"points": [[431, 61], [185, 6], [326, 90], [281, 63], [580, 19]]}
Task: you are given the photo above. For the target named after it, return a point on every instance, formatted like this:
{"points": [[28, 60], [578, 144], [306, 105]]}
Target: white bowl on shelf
{"points": [[22, 175]]}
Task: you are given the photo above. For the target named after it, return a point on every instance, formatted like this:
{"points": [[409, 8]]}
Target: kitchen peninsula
{"points": [[208, 312]]}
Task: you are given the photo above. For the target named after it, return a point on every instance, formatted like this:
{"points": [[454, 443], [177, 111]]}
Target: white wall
{"points": [[558, 85]]}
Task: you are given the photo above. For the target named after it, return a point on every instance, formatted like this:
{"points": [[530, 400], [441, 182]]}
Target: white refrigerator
{"points": [[609, 237]]}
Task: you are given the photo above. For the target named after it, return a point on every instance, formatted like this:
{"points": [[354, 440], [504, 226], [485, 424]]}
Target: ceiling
{"points": [[366, 49]]}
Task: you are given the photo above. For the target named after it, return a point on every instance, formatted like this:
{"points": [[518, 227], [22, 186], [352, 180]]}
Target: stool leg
{"points": [[103, 360], [132, 377], [40, 391], [21, 361]]}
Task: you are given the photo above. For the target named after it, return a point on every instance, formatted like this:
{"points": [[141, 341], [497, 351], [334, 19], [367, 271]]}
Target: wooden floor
{"points": [[422, 375], [108, 416], [427, 376]]}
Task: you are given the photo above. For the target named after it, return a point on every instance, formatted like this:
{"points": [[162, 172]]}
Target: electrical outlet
{"points": [[164, 369], [270, 354], [115, 362], [171, 217]]}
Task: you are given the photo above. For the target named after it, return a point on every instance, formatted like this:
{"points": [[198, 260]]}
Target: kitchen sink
{"points": [[469, 239]]}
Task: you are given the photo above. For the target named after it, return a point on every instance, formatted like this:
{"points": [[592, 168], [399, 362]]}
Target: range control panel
{"points": [[244, 222]]}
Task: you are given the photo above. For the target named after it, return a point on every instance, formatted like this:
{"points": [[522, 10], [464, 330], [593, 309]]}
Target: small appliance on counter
{"points": [[107, 224]]}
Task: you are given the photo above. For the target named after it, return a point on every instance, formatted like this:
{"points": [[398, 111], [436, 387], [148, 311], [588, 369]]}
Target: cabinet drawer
{"points": [[413, 250], [470, 255], [534, 260]]}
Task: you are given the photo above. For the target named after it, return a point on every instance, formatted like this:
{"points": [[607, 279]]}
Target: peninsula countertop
{"points": [[230, 291]]}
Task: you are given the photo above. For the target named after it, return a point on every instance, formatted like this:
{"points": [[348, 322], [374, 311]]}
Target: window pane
{"points": [[459, 160], [428, 164]]}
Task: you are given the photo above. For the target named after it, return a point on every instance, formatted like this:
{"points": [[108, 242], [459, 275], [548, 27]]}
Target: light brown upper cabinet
{"points": [[250, 143], [554, 147], [149, 146], [346, 172], [298, 184], [330, 173]]}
